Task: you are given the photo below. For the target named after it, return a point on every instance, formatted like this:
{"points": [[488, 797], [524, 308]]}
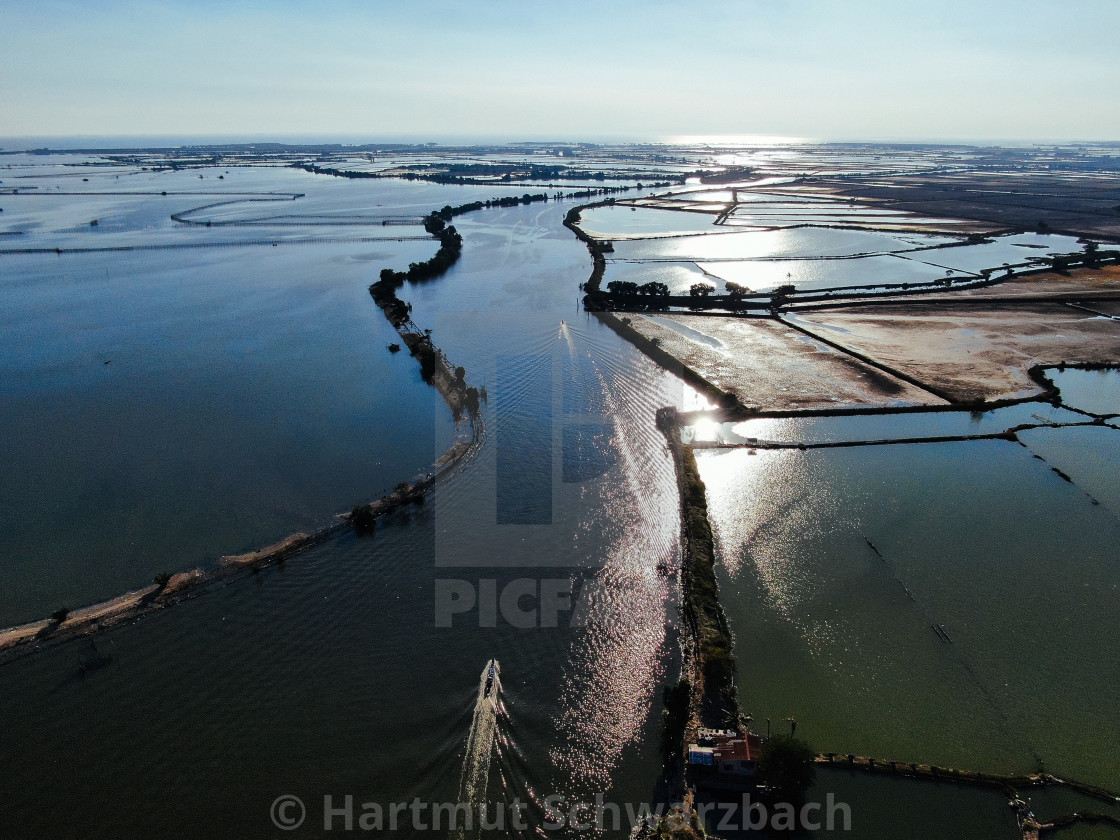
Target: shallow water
{"points": [[871, 427], [623, 221], [1089, 455], [881, 808], [766, 275], [233, 683], [266, 203], [979, 537], [764, 259], [1015, 249], [1050, 803], [162, 409], [1095, 391], [819, 275], [790, 244], [329, 675]]}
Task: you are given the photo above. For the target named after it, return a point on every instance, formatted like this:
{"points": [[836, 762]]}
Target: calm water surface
{"points": [[223, 421], [837, 564], [1095, 391], [328, 674]]}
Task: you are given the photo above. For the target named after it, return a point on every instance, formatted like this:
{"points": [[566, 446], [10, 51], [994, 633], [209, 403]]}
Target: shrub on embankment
{"points": [[674, 718], [434, 367], [715, 645], [421, 347], [450, 249], [594, 247], [363, 519], [384, 291], [787, 766]]}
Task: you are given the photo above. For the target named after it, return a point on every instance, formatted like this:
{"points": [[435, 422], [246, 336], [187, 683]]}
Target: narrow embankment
{"points": [[706, 693], [596, 248], [610, 308], [168, 590], [1012, 786]]}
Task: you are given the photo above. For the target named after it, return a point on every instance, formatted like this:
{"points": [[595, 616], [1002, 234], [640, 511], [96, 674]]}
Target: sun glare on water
{"points": [[734, 140]]}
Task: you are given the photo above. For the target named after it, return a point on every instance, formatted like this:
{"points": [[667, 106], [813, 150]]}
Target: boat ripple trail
{"points": [[480, 741]]}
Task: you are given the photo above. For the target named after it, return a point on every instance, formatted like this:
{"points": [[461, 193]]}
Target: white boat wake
{"points": [[480, 741], [565, 334]]}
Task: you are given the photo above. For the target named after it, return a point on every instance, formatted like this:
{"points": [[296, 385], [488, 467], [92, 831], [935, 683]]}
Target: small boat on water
{"points": [[491, 678]]}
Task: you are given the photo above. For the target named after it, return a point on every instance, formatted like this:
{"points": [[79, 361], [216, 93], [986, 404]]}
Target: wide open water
{"points": [[1016, 564], [328, 674], [163, 408]]}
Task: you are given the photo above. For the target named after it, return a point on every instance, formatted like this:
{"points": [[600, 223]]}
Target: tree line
{"points": [[460, 180]]}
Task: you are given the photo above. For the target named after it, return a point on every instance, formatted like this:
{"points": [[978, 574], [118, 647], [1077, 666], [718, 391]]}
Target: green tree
{"points": [[363, 520], [781, 295], [674, 717], [787, 766]]}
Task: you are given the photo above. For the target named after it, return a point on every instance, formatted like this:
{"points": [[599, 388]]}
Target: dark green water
{"points": [[1090, 456], [1016, 564]]}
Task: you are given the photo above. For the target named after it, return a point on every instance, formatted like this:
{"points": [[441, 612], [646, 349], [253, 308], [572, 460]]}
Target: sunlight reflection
{"points": [[762, 505], [765, 428], [693, 400], [706, 429], [734, 140], [609, 688]]}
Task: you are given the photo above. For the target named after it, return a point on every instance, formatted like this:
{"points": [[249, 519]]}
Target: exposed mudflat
{"points": [[769, 365], [1104, 280], [970, 355], [1091, 282]]}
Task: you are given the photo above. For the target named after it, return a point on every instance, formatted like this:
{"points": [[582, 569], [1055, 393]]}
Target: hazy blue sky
{"points": [[982, 69]]}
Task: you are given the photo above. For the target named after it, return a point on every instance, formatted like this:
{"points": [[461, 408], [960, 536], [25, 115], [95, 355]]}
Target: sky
{"points": [[367, 70]]}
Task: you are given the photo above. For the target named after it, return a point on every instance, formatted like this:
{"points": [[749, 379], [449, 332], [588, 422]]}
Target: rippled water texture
{"points": [[328, 673], [837, 565], [250, 393]]}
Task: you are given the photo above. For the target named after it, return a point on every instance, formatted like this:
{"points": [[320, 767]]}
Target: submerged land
{"points": [[873, 367], [979, 338]]}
